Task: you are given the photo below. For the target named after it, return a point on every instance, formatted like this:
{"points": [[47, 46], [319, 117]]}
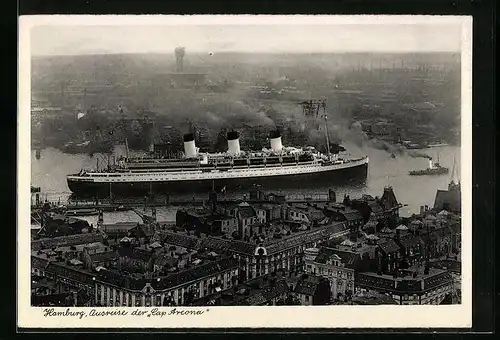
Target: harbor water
{"points": [[49, 173]]}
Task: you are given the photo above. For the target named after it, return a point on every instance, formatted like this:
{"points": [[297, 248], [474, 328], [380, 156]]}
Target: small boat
{"points": [[413, 146], [82, 212], [437, 145], [433, 169]]}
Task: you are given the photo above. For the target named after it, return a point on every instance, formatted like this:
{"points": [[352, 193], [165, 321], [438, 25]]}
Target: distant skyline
{"points": [[321, 38]]}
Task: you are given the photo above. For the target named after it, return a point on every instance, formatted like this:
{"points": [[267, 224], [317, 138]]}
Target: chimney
{"points": [[233, 143], [179, 58], [153, 212], [275, 137], [353, 236], [213, 200], [189, 146], [422, 210], [331, 195], [100, 219]]}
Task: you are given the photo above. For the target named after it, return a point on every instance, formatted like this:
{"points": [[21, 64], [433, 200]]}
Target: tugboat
{"points": [[433, 169]]}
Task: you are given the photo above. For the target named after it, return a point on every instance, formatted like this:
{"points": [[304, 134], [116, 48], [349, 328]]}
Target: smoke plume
{"points": [[416, 154]]}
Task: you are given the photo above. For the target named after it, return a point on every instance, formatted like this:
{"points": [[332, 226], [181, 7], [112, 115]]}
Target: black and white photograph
{"points": [[212, 166]]}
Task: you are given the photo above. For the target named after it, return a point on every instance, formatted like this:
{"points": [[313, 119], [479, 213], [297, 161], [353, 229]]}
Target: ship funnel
{"points": [[275, 137], [189, 146], [430, 163], [233, 143]]}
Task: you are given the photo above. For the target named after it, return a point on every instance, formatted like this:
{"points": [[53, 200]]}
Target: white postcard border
{"points": [[449, 316]]}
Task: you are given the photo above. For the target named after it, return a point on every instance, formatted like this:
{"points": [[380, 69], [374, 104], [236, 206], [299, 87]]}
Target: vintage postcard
{"points": [[244, 171]]}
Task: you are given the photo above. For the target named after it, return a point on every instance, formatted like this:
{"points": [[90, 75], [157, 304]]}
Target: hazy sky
{"points": [[60, 40]]}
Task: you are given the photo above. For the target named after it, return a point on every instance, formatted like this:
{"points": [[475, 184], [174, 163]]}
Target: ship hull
{"points": [[354, 174]]}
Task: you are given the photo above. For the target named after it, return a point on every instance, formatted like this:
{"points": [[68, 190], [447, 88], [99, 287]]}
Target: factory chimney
{"points": [[179, 58], [275, 137], [189, 146], [233, 143]]}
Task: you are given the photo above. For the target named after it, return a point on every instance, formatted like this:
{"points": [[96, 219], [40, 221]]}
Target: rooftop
{"points": [[170, 281], [388, 245], [67, 240], [307, 284], [388, 283], [446, 199], [241, 247], [348, 258]]}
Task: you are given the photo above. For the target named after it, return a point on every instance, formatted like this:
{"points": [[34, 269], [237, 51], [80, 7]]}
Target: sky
{"points": [[307, 38]]}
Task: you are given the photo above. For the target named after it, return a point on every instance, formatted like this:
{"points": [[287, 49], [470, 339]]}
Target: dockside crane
{"points": [[317, 108]]}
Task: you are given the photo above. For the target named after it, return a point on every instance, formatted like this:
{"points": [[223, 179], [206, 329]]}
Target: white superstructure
{"points": [[175, 175]]}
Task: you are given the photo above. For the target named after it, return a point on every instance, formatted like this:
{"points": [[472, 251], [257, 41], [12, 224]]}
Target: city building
{"points": [[413, 287], [449, 200], [111, 287], [335, 265], [310, 289], [267, 256]]}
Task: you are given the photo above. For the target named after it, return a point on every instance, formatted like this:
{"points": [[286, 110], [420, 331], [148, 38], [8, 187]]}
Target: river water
{"points": [[49, 173]]}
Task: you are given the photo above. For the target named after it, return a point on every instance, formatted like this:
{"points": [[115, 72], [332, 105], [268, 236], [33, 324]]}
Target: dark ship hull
{"points": [[326, 179], [431, 172]]}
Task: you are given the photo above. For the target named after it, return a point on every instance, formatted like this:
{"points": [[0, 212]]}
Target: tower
{"points": [[179, 58]]}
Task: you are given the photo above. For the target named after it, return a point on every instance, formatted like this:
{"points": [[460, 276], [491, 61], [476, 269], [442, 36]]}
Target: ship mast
{"points": [[323, 105], [85, 100], [124, 131], [452, 179]]}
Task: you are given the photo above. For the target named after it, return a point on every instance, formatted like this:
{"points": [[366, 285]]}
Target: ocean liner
{"points": [[275, 167], [233, 168]]}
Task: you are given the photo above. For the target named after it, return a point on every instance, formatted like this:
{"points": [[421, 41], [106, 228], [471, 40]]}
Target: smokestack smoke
{"points": [[179, 57], [416, 154]]}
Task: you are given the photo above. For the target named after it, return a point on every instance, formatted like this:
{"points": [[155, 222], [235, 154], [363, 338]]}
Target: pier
{"points": [[126, 204]]}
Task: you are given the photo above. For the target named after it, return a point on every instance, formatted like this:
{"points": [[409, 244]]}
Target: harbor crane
{"points": [[316, 108]]}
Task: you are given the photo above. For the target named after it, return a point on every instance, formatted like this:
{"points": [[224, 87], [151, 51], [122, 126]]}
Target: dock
{"points": [[127, 204]]}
